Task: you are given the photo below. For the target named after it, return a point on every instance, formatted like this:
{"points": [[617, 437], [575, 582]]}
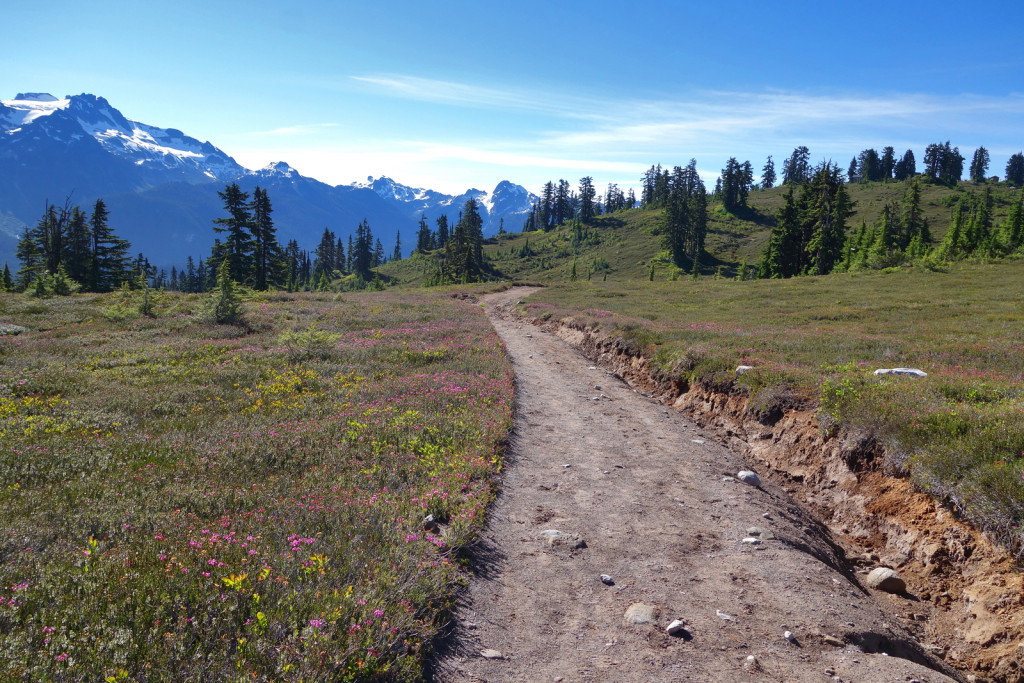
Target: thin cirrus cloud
{"points": [[723, 115], [303, 129]]}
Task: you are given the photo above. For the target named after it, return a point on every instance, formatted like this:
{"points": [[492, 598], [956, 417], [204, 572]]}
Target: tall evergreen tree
{"points": [[887, 164], [424, 237], [905, 167], [442, 231], [1012, 236], [268, 257], [979, 165], [781, 258], [870, 165], [587, 194], [77, 256], [362, 252], [797, 168], [1015, 169], [237, 247], [768, 174]]}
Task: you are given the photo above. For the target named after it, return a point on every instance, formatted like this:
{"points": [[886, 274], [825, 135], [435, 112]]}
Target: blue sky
{"points": [[450, 95]]}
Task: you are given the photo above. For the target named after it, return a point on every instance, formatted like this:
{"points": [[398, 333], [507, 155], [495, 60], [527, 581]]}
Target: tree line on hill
{"points": [[810, 235]]}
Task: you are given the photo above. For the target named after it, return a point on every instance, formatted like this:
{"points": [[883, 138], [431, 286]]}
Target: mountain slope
{"points": [[161, 185]]}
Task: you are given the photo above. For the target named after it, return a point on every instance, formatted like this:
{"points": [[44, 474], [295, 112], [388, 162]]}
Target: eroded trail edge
{"points": [[601, 480]]}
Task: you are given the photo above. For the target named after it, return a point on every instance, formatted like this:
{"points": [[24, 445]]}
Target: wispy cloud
{"points": [[479, 96], [304, 129]]}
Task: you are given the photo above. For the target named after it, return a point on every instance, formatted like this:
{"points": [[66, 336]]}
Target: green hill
{"points": [[623, 244]]}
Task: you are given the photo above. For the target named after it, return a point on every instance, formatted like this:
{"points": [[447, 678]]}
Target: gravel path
{"points": [[639, 494]]}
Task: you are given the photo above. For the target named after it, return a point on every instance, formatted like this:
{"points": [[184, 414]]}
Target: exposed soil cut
{"points": [[603, 480], [970, 592]]}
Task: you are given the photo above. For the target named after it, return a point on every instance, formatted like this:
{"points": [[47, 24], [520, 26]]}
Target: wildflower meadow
{"points": [[288, 498]]}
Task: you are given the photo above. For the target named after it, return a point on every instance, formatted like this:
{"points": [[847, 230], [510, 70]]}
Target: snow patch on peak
{"points": [[280, 168], [35, 97]]}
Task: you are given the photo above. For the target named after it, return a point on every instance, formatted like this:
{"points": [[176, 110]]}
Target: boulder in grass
{"points": [[9, 328], [906, 372], [743, 369]]}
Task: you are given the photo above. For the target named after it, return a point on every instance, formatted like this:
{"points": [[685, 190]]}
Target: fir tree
{"points": [[1015, 169], [768, 174], [268, 257], [979, 165], [109, 264], [237, 248], [905, 167]]}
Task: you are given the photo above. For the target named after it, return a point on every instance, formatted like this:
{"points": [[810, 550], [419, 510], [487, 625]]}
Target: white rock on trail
{"points": [[491, 654], [677, 627], [748, 477]]}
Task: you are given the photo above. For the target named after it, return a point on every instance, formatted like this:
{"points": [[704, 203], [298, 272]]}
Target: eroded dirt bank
{"points": [[968, 594], [632, 490]]}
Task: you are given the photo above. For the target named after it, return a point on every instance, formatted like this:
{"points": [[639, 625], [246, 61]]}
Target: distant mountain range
{"points": [[161, 185]]}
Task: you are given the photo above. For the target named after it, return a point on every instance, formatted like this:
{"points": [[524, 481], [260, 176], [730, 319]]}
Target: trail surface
{"points": [[659, 509]]}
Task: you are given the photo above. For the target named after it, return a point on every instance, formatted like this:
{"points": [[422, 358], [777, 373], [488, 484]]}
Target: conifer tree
{"points": [[442, 232], [1012, 236], [768, 174], [424, 237], [1015, 169], [797, 168], [397, 254], [905, 167], [237, 248], [268, 256], [77, 257], [586, 197], [887, 164], [979, 165], [109, 264]]}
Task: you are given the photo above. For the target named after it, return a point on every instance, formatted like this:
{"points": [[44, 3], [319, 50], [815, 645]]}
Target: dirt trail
{"points": [[656, 502]]}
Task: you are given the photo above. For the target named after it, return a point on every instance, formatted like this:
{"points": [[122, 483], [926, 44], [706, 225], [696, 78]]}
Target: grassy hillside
{"points": [[623, 244]]}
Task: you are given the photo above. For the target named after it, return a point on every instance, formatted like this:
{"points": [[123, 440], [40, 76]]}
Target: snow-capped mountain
{"points": [[508, 202], [161, 185]]}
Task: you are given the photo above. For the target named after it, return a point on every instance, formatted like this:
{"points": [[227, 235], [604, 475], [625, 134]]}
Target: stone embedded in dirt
{"points": [[607, 580], [697, 441], [723, 616], [750, 540], [788, 635], [558, 538], [677, 628], [759, 532], [491, 654], [597, 387], [906, 372], [639, 613], [748, 477], [752, 664], [833, 641], [885, 579], [743, 369]]}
